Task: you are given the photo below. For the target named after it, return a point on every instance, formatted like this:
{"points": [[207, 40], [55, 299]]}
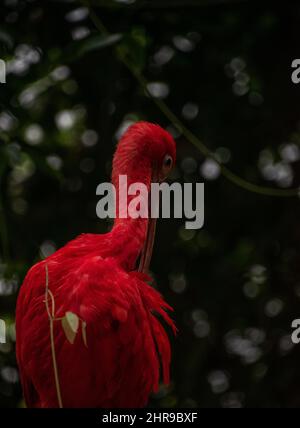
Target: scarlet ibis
{"points": [[124, 349]]}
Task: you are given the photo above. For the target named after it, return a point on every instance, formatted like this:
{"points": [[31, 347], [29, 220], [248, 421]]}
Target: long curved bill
{"points": [[149, 241], [148, 247]]}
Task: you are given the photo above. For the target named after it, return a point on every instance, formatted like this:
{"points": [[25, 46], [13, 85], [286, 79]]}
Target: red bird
{"points": [[116, 357]]}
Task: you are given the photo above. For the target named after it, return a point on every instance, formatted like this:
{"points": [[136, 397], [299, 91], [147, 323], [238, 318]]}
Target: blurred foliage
{"points": [[224, 68]]}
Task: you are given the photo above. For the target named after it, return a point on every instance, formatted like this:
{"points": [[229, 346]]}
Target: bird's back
{"points": [[120, 344]]}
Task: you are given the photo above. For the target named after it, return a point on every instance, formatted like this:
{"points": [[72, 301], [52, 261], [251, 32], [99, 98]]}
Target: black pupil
{"points": [[168, 161]]}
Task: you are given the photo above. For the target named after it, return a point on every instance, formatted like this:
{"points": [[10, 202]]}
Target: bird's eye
{"points": [[168, 161], [166, 167]]}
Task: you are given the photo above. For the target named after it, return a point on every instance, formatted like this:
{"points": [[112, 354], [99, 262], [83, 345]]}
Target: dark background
{"points": [[224, 68]]}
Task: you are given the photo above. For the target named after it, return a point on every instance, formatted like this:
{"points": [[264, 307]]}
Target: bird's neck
{"points": [[130, 233]]}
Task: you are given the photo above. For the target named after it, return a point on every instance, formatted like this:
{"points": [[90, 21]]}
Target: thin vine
{"points": [[190, 136], [70, 324], [51, 316]]}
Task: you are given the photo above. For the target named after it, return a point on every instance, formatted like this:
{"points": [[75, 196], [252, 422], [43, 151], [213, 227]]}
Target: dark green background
{"points": [[235, 284]]}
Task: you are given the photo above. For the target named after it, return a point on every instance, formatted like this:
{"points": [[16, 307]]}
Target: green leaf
{"points": [[6, 40], [70, 324], [133, 47], [94, 42]]}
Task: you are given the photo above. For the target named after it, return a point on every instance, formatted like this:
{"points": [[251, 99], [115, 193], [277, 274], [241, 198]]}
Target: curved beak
{"points": [[148, 247], [151, 228]]}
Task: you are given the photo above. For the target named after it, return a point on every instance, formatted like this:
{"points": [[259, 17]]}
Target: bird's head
{"points": [[146, 153], [145, 146]]}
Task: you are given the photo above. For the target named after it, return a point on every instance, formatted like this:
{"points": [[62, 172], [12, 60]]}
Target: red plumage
{"points": [[95, 277]]}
